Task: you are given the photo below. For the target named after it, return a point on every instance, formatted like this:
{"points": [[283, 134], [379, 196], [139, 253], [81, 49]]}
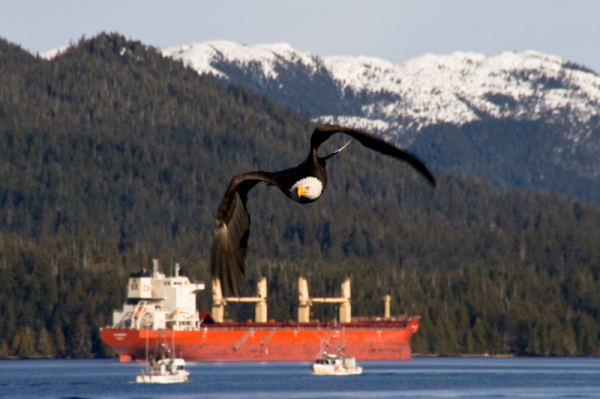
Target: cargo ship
{"points": [[157, 303]]}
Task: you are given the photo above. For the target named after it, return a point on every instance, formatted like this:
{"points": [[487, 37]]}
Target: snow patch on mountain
{"points": [[49, 54], [202, 56], [371, 125], [464, 87], [397, 98]]}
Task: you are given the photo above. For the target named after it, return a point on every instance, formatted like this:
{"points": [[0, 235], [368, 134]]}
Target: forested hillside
{"points": [[512, 153], [111, 155]]}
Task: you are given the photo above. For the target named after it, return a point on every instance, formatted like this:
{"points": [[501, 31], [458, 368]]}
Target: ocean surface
{"points": [[418, 378]]}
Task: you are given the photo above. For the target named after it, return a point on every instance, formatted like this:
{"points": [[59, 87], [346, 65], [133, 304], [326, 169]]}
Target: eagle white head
{"points": [[306, 190]]}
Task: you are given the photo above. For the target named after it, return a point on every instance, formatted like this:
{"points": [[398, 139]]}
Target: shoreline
{"points": [[478, 355]]}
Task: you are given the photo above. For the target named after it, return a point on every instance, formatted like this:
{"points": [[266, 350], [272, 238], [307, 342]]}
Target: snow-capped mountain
{"points": [[516, 119], [398, 100]]}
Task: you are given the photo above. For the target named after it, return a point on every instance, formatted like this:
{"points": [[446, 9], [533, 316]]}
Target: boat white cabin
{"points": [[330, 364]]}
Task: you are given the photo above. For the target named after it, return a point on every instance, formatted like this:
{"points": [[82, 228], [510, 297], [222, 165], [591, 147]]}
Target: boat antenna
{"points": [[324, 341], [146, 344], [335, 345], [343, 346], [157, 351], [335, 317]]}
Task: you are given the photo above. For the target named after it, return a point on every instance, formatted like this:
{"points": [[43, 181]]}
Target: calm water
{"points": [[419, 378]]}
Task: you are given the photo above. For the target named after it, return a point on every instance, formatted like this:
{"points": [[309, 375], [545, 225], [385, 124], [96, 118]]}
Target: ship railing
{"points": [[384, 326]]}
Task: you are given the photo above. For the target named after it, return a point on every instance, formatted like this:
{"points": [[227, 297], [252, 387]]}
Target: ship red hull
{"points": [[270, 341]]}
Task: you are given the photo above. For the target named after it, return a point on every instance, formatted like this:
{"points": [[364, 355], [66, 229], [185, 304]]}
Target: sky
{"points": [[392, 30]]}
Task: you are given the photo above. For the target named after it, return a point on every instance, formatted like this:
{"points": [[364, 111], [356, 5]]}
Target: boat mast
{"points": [[146, 344], [173, 345]]}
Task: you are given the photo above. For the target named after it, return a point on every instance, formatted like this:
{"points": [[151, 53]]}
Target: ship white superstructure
{"points": [[157, 302]]}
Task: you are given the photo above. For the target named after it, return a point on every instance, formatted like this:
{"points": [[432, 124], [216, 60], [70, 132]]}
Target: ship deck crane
{"points": [[218, 307], [345, 315]]}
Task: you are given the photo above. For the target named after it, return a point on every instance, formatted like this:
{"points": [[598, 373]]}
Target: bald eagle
{"points": [[303, 184]]}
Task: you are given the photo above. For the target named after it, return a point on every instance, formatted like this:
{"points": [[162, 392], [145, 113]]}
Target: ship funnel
{"points": [[154, 268]]}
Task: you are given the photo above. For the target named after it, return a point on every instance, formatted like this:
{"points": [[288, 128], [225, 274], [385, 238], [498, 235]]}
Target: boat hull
{"points": [[160, 379], [321, 369], [269, 341]]}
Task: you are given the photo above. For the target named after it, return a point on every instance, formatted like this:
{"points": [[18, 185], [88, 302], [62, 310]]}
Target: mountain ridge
{"points": [[400, 102], [528, 73]]}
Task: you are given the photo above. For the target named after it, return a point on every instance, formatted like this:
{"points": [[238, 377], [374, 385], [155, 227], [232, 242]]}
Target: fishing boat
{"points": [[164, 371], [167, 369], [331, 364], [335, 363]]}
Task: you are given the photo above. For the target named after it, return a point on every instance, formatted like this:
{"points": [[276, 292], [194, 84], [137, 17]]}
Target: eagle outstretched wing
{"points": [[322, 133], [232, 228]]}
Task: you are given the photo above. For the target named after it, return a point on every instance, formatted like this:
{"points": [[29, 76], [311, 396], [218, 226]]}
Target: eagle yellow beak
{"points": [[302, 191]]}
